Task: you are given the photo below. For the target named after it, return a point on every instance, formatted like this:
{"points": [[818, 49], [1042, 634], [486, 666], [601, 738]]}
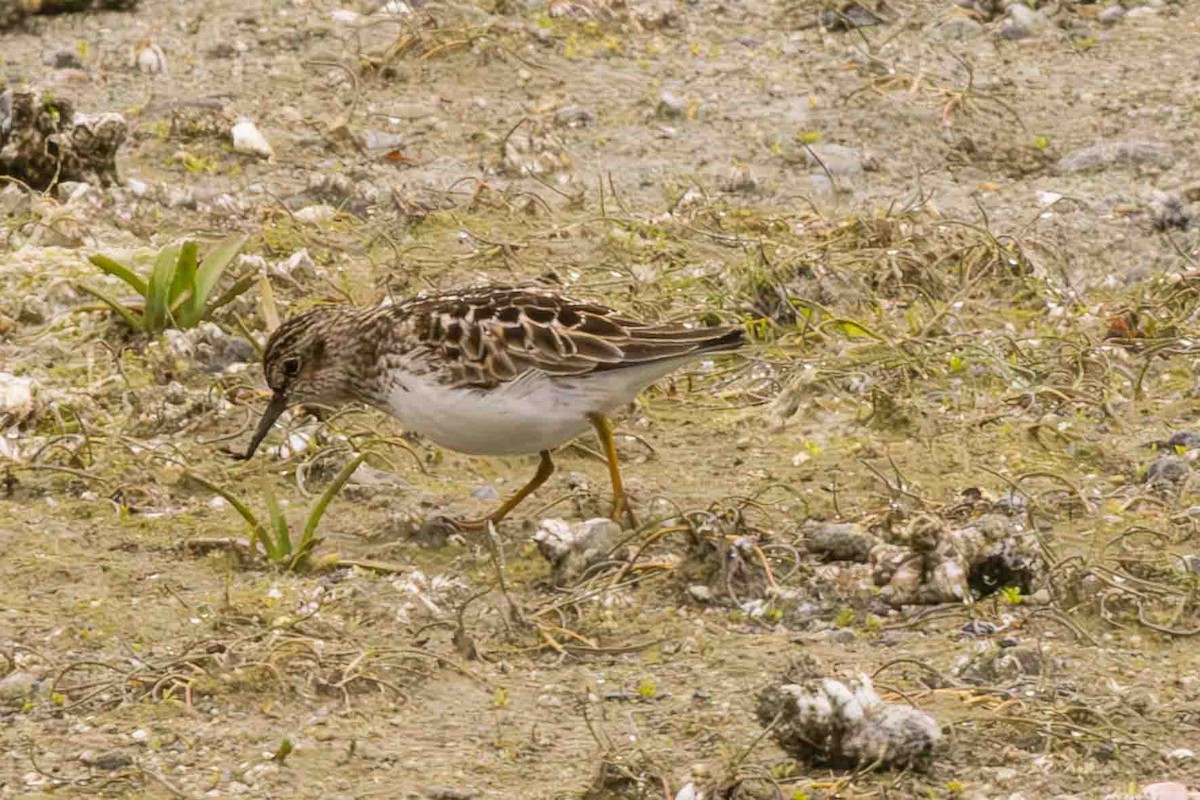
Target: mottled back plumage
{"points": [[485, 337]]}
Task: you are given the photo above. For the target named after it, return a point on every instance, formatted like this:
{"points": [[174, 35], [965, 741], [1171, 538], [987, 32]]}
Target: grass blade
{"points": [[230, 294], [119, 270], [214, 264], [161, 278], [308, 540], [131, 319], [259, 533], [183, 287], [282, 545]]}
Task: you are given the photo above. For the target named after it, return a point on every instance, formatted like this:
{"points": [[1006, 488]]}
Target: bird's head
{"points": [[302, 365]]}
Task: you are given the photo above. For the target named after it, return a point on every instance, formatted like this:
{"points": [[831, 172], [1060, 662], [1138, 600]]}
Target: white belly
{"points": [[528, 415]]}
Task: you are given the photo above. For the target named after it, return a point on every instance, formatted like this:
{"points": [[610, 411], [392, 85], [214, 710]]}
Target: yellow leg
{"points": [[544, 471], [605, 434]]}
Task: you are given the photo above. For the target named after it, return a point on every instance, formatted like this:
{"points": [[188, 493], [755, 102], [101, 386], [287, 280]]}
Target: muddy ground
{"points": [[960, 238]]}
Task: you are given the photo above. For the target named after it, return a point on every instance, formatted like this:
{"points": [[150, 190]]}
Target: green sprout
{"points": [[178, 290], [275, 537]]}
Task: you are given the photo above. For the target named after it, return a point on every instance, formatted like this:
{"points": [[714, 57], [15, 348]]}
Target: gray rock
{"points": [[1105, 155], [839, 160], [839, 541], [1023, 22], [1111, 14], [671, 106], [18, 685], [574, 117], [572, 548], [1167, 212], [1164, 791], [107, 761], [62, 58], [1167, 470], [850, 16], [1141, 12], [958, 29]]}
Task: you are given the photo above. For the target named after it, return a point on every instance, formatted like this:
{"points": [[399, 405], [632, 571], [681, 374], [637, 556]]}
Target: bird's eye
{"points": [[291, 367]]}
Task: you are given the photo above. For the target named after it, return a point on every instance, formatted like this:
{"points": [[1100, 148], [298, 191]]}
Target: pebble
{"points": [[958, 29], [1111, 14], [148, 58], [316, 214], [139, 736], [16, 400], [574, 117], [17, 685], [1105, 155], [1164, 791], [839, 160], [62, 58], [107, 761], [1167, 469], [1023, 22], [671, 105], [1141, 11], [844, 636], [248, 139], [136, 188], [1181, 754]]}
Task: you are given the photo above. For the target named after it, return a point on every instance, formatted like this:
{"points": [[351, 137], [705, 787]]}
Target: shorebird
{"points": [[496, 371]]}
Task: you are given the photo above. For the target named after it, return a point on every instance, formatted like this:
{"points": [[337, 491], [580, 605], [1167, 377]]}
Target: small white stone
{"points": [[248, 139], [316, 214], [149, 58], [16, 395], [139, 736], [688, 792]]}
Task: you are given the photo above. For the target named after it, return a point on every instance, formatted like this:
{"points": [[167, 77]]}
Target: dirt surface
{"points": [[959, 237]]}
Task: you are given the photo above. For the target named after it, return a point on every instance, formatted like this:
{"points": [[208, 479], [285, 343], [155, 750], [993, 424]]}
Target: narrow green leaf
{"points": [[258, 531], [183, 287], [131, 319], [161, 278], [307, 540], [230, 294], [215, 262], [119, 270], [282, 545]]}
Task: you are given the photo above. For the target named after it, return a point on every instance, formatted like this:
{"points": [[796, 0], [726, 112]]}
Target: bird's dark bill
{"points": [[276, 407]]}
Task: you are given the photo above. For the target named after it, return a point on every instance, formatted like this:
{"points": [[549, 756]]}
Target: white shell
{"points": [[16, 395], [149, 58], [248, 139]]}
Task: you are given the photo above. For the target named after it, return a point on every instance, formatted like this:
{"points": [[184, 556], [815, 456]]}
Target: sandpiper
{"points": [[494, 371]]}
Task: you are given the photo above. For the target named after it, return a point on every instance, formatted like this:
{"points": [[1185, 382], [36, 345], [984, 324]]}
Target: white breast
{"points": [[532, 413]]}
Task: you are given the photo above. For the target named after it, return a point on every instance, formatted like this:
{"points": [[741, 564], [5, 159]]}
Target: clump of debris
{"points": [[843, 724], [925, 559], [44, 141], [573, 548]]}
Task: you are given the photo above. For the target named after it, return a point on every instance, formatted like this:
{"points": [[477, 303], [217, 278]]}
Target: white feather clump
{"points": [[845, 724]]}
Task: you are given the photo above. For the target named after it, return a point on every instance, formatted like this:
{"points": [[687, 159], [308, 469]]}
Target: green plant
{"points": [[275, 537], [177, 292]]}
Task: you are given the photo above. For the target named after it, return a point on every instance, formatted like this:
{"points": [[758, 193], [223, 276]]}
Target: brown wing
{"points": [[484, 337]]}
